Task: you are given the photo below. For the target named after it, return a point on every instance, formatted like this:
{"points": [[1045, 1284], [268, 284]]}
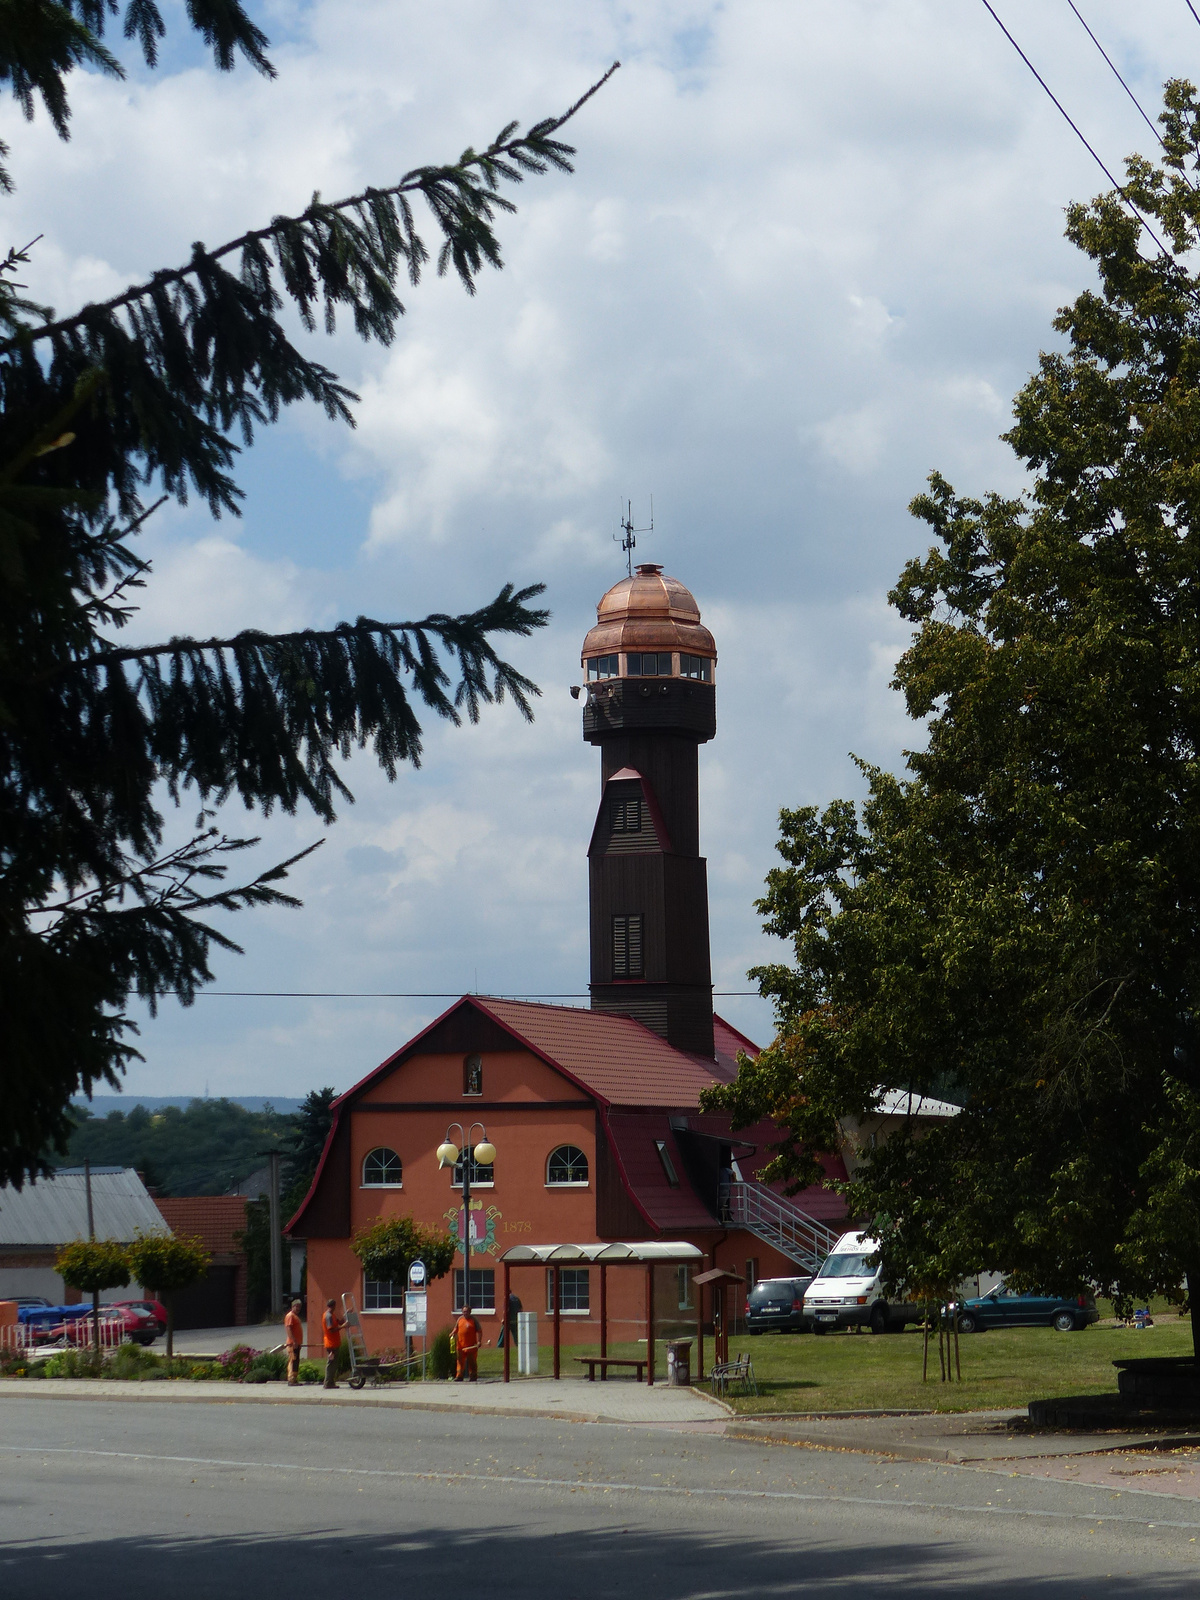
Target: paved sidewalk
{"points": [[575, 1399], [961, 1437]]}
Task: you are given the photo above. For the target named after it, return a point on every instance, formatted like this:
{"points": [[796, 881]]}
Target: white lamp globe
{"points": [[447, 1154], [485, 1153]]}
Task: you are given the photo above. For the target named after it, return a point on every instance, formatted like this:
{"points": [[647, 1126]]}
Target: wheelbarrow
{"points": [[362, 1365]]}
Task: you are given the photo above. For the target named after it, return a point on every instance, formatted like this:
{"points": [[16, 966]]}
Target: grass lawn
{"points": [[1003, 1367], [858, 1371]]}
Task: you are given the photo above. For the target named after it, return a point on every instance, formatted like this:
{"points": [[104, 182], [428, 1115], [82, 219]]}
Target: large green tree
{"points": [[154, 391], [1016, 920]]}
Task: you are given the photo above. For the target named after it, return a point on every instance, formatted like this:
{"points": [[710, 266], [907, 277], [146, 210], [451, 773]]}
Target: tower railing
{"points": [[778, 1222]]}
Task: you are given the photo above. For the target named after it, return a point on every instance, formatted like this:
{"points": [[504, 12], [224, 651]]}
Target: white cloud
{"points": [[808, 254]]}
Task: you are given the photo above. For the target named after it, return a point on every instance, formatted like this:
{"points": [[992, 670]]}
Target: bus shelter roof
{"points": [[605, 1254]]}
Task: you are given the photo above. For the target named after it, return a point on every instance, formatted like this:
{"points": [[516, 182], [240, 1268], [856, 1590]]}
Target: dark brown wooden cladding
{"points": [[670, 767], [622, 704], [616, 1215], [328, 1213]]}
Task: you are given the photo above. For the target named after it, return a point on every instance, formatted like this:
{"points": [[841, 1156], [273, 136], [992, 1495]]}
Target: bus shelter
{"points": [[648, 1255]]}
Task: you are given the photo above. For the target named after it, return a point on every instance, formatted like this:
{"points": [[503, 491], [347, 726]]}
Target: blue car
{"points": [[1005, 1308]]}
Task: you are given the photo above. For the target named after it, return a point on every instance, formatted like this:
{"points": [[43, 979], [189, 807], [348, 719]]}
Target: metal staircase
{"points": [[778, 1222]]}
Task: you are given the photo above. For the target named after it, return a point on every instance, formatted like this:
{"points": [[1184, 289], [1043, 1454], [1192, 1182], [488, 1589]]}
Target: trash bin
{"points": [[679, 1363]]}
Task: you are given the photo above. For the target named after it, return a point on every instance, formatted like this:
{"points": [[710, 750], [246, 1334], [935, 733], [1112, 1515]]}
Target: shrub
{"points": [[441, 1357], [74, 1364], [132, 1361], [267, 1367], [312, 1372], [236, 1363], [201, 1371], [21, 1364]]}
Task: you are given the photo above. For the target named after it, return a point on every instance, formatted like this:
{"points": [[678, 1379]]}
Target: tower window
{"points": [[627, 815], [603, 667], [650, 664], [695, 667], [627, 946], [472, 1074]]}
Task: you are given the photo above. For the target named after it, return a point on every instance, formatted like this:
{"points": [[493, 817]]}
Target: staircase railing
{"points": [[793, 1232]]}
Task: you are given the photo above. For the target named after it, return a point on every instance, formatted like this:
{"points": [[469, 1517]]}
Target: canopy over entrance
{"points": [[604, 1254], [649, 1254]]}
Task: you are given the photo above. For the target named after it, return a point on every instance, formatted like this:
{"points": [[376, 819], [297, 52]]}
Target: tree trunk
{"points": [[1193, 1289], [96, 1320], [170, 1326]]}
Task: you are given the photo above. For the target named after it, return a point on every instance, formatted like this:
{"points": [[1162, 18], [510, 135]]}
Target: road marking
{"points": [[593, 1486]]}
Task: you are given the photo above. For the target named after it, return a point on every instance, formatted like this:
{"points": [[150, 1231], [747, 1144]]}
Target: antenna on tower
{"points": [[628, 531]]}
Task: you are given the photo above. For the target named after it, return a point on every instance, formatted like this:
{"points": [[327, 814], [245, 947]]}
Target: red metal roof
{"points": [[620, 1061], [672, 1208]]}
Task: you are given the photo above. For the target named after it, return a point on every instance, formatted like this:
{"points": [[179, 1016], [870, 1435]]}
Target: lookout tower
{"points": [[649, 666]]}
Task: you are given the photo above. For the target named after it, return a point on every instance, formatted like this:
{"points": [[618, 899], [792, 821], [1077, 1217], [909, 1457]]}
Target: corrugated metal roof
{"points": [[903, 1103], [53, 1211], [619, 1060]]}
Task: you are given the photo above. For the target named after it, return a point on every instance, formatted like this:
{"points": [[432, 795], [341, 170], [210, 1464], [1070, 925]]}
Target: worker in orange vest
{"points": [[293, 1335], [466, 1345], [332, 1326]]}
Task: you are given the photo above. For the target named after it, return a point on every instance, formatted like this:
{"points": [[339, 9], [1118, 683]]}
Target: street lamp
{"points": [[448, 1154]]}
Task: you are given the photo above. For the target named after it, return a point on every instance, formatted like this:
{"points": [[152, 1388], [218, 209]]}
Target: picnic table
{"points": [[604, 1362]]}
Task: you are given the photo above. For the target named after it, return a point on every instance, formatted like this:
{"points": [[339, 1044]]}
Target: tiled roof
{"points": [[618, 1060], [53, 1211], [215, 1219]]}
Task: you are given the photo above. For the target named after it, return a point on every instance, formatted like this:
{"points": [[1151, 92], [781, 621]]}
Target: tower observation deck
{"points": [[649, 666]]}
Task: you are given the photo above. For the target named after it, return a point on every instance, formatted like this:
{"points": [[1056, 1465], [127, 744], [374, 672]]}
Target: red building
{"points": [[593, 1113]]}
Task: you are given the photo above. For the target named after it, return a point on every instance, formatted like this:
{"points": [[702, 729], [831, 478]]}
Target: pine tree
{"points": [[156, 389]]}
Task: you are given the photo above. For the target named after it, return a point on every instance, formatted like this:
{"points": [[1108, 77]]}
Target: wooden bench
{"points": [[604, 1362]]}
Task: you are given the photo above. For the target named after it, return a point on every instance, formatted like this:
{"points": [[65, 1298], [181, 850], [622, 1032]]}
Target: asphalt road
{"points": [[103, 1500]]}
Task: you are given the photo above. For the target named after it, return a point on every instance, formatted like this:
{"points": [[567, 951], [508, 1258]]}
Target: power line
{"points": [[1192, 9], [1073, 125], [1116, 73], [414, 994]]}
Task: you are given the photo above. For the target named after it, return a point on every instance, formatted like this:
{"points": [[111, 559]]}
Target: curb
{"points": [[161, 1393]]}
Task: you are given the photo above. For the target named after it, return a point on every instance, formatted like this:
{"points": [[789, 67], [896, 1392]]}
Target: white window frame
{"points": [[386, 1185], [457, 1291], [476, 1183], [396, 1309], [684, 1289], [568, 1311], [569, 1183]]}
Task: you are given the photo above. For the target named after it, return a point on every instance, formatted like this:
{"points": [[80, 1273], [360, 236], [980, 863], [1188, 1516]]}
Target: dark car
{"points": [[777, 1303], [1005, 1308]]}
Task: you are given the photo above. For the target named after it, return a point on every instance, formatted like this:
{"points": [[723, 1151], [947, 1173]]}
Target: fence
{"points": [[33, 1338]]}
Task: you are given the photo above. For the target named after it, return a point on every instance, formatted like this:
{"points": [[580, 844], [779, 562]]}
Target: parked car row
{"points": [[51, 1324], [847, 1291]]}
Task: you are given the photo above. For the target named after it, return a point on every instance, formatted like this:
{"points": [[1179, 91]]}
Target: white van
{"points": [[847, 1293]]}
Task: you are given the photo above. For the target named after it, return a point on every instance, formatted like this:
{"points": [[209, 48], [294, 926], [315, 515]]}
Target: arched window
{"points": [[382, 1170], [567, 1166]]}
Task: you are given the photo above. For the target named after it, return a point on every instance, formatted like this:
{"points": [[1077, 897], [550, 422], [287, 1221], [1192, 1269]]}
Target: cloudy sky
{"points": [[811, 250]]}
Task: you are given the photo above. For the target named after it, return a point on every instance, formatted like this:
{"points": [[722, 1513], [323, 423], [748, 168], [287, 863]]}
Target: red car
{"points": [[155, 1307]]}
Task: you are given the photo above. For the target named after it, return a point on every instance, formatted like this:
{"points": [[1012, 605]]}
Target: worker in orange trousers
{"points": [[466, 1345]]}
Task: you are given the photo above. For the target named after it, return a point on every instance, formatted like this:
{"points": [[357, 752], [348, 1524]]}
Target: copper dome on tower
{"points": [[648, 611]]}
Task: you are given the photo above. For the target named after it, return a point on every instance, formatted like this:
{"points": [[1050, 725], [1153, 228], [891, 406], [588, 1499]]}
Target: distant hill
{"points": [[194, 1147], [100, 1105]]}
